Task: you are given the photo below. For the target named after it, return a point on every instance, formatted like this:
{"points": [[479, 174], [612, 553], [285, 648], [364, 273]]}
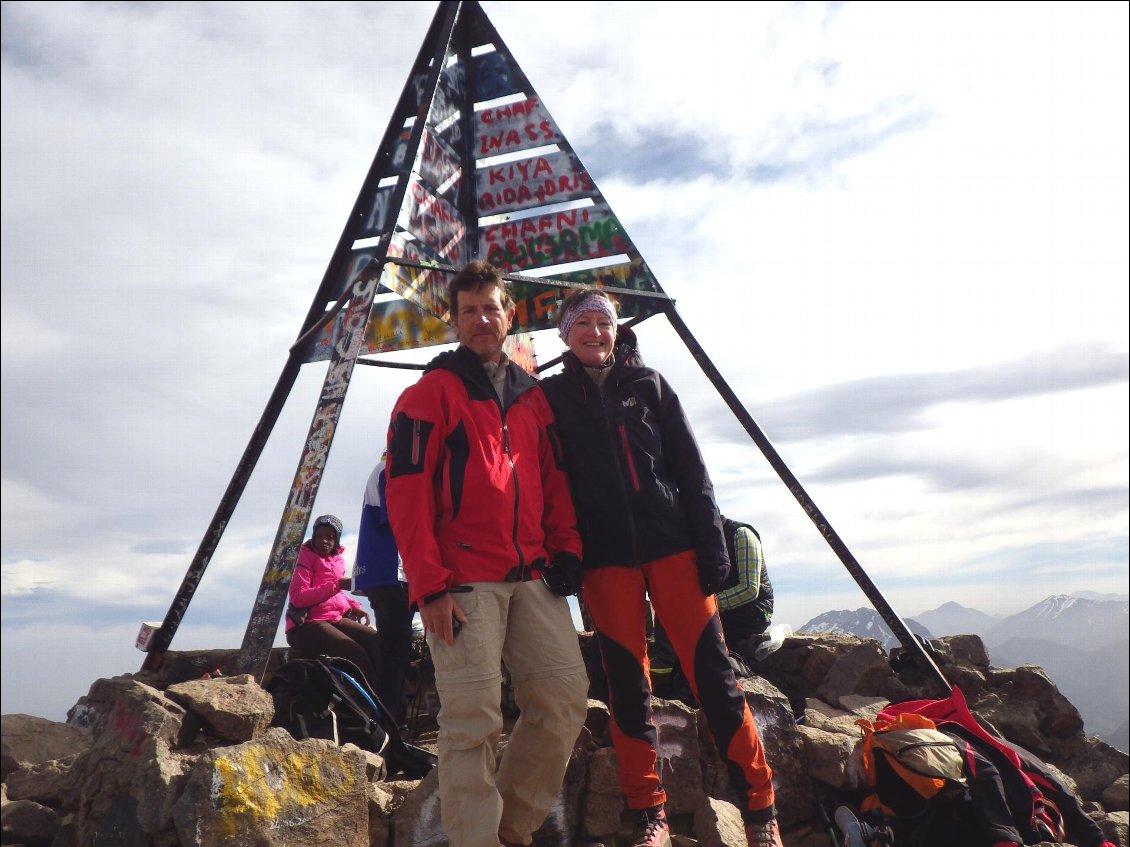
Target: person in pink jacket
{"points": [[322, 619]]}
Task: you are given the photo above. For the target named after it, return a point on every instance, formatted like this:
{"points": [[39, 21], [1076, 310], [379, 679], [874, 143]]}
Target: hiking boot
{"points": [[652, 830], [763, 834]]}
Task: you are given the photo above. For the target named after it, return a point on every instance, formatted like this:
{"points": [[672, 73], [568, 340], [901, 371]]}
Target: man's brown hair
{"points": [[476, 276]]}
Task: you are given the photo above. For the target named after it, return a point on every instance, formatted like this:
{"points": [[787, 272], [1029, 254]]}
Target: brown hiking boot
{"points": [[763, 834], [652, 829]]}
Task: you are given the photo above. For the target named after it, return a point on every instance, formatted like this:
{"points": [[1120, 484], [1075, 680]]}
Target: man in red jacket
{"points": [[481, 511]]}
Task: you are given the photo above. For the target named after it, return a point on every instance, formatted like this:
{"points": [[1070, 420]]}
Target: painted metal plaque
{"points": [[554, 239], [401, 325], [449, 94], [527, 183], [401, 161], [380, 216], [439, 167], [436, 223], [427, 289], [513, 127], [494, 76]]}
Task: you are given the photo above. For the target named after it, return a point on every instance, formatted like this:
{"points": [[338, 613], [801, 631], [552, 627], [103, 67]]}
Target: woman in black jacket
{"points": [[650, 527]]}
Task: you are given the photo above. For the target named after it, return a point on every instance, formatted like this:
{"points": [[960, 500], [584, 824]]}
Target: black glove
{"points": [[711, 575], [563, 576]]}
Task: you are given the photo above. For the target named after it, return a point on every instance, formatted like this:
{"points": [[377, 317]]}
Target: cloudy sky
{"points": [[898, 230]]}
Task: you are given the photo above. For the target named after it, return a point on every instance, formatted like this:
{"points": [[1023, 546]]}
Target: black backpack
{"points": [[328, 698], [1009, 794]]}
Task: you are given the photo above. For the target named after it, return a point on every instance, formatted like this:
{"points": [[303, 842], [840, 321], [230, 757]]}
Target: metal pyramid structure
{"points": [[471, 166]]}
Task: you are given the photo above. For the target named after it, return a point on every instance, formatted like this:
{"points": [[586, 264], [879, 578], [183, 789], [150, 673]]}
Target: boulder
{"points": [[600, 816], [28, 740], [130, 777], [230, 708], [1116, 796], [27, 822], [278, 791], [861, 670], [50, 783]]}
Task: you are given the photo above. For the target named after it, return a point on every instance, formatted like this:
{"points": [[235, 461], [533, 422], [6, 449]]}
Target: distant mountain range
{"points": [[865, 623], [1080, 640]]}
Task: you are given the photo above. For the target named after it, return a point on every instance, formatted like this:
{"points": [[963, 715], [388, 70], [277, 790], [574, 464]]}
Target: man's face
{"points": [[481, 322]]}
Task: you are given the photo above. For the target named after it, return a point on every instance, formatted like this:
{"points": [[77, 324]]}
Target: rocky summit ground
{"points": [[171, 759]]}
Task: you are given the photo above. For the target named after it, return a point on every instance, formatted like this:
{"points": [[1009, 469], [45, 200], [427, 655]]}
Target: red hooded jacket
{"points": [[476, 490]]}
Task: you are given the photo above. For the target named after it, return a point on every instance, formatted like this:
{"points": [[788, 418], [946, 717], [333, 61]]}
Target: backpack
{"points": [[918, 790], [1003, 794], [328, 698], [907, 764]]}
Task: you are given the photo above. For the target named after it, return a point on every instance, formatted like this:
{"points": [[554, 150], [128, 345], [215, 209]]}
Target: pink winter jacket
{"points": [[315, 585]]}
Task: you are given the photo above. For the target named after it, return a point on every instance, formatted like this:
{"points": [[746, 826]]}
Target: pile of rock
{"points": [[172, 759]]}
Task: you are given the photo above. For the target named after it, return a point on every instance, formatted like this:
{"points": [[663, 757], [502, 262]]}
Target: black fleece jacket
{"points": [[639, 483]]}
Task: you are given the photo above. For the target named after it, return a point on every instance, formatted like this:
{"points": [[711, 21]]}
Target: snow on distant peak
{"points": [[1053, 606], [1099, 597]]}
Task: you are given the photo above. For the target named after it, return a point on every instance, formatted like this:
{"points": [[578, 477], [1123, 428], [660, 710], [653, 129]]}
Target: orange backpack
{"points": [[908, 762]]}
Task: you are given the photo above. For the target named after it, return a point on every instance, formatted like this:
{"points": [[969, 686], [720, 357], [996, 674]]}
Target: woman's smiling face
{"points": [[592, 338]]}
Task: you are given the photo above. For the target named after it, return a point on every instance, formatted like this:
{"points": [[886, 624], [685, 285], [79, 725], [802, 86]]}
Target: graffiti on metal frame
{"points": [[519, 348], [377, 220], [553, 239], [393, 325], [516, 126], [536, 307], [321, 433], [427, 289], [450, 93], [401, 325], [437, 224], [400, 161], [530, 182], [439, 167], [632, 274]]}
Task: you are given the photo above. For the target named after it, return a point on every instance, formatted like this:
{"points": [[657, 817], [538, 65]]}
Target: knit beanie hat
{"points": [[330, 521]]}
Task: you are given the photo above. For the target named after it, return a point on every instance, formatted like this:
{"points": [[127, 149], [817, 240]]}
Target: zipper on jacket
{"points": [[416, 461], [517, 497], [477, 376], [629, 517], [623, 431], [503, 408]]}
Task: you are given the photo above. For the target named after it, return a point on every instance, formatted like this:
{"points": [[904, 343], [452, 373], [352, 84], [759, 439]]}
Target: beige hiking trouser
{"points": [[531, 629]]}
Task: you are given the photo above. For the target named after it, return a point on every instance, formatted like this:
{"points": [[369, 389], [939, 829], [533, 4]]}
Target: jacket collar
{"points": [[466, 365]]}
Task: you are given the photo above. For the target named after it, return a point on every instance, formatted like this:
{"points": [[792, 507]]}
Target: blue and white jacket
{"points": [[378, 561]]}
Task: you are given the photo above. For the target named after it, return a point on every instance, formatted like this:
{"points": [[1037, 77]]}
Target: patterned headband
{"points": [[591, 303]]}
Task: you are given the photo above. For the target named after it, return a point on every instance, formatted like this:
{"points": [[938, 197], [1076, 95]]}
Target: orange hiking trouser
{"points": [[616, 601]]}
